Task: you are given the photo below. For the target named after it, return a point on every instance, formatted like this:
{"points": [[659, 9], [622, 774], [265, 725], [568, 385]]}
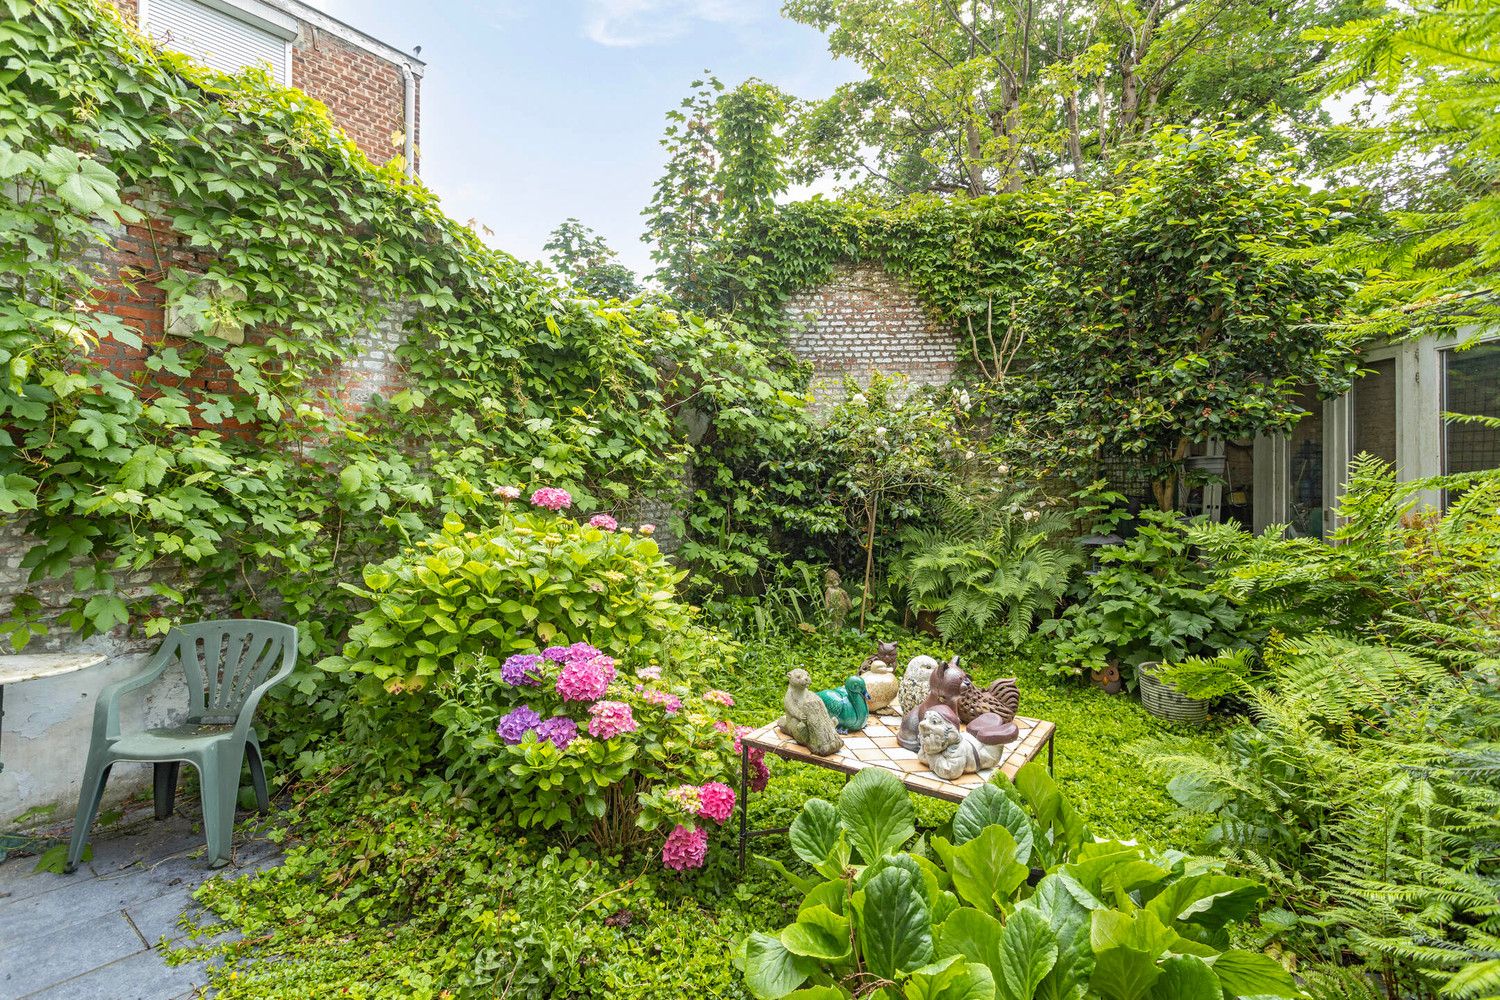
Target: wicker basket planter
{"points": [[1164, 701]]}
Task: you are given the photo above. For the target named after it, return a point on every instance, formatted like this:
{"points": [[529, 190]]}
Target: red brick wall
{"points": [[365, 93], [864, 320]]}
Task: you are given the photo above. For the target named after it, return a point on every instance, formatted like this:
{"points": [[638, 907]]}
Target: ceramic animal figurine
{"points": [[1108, 678], [807, 720], [885, 652], [835, 599], [1002, 698], [880, 684], [849, 706], [944, 687], [949, 752], [914, 683], [992, 729]]}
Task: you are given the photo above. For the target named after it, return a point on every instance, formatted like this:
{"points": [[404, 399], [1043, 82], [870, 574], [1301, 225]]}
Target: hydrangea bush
{"points": [[548, 667]]}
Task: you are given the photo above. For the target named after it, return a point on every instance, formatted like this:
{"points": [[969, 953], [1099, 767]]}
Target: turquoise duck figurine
{"points": [[849, 705]]}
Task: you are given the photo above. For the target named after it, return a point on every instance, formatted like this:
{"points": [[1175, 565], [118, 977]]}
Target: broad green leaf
{"points": [[1053, 811], [895, 930], [986, 806], [1126, 949], [1186, 978], [973, 934], [1067, 908], [818, 933], [815, 831], [1250, 973], [877, 811], [1210, 901], [770, 970], [951, 978], [1029, 950], [984, 870]]}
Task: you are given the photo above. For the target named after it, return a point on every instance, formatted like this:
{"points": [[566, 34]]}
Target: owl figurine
{"points": [[913, 687]]}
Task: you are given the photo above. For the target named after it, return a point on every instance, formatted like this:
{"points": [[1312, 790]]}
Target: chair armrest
{"points": [[107, 707]]}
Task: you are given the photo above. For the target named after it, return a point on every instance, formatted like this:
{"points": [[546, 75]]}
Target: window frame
{"points": [[251, 12]]}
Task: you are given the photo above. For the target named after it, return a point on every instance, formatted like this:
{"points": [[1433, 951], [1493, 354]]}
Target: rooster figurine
{"points": [[989, 713]]}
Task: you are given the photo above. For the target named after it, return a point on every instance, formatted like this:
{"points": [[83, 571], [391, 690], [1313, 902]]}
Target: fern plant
{"points": [[1368, 797], [992, 563]]}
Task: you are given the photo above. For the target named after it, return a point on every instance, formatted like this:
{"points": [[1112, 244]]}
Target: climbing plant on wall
{"points": [[237, 472]]}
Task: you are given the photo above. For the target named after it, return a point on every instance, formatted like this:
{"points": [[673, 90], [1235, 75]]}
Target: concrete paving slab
{"points": [[142, 976], [29, 963]]}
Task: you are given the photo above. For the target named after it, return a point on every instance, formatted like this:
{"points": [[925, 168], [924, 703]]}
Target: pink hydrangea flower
{"points": [[647, 529], [716, 801], [585, 679], [685, 849], [610, 718], [668, 701], [718, 697], [603, 522], [649, 673], [552, 498], [760, 774], [508, 492]]}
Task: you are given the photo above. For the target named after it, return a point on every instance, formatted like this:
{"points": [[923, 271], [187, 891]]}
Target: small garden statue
{"points": [[944, 687], [880, 684], [835, 599], [885, 652], [849, 705], [914, 683], [989, 713], [1108, 679], [807, 720], [949, 752]]}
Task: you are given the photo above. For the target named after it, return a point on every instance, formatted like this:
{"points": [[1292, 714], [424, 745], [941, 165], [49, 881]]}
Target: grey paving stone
{"points": [[30, 963], [142, 976], [160, 917], [82, 895], [20, 880]]}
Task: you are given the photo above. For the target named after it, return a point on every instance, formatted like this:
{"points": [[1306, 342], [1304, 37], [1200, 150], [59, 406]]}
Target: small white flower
{"points": [[858, 399], [880, 432], [968, 454], [1029, 515], [1003, 469], [963, 400]]}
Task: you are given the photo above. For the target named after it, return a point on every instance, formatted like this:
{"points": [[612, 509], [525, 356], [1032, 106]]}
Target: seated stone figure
{"points": [[951, 753], [807, 720]]}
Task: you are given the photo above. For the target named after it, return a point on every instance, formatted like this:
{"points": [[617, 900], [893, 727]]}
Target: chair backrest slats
{"points": [[224, 661]]}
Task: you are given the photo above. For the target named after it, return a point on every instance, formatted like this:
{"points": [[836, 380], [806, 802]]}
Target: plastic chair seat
{"points": [[184, 742]]}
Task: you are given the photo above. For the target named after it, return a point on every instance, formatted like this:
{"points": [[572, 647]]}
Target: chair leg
{"points": [[165, 776], [95, 774], [258, 777], [220, 786]]}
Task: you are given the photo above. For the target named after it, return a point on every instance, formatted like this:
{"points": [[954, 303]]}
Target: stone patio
{"points": [[94, 935]]}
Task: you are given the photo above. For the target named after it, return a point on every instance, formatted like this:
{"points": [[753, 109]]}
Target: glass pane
{"points": [[1472, 385], [1373, 416], [1305, 472]]}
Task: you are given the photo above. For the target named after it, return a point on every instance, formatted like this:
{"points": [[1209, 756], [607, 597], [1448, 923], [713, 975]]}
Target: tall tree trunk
{"points": [[864, 597]]}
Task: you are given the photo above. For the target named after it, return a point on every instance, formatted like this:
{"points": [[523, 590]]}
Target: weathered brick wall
{"points": [[864, 320]]}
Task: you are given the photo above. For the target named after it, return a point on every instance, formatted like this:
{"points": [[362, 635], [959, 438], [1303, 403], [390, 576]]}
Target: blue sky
{"points": [[535, 110]]}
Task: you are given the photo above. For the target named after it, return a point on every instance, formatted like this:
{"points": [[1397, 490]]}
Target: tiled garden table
{"points": [[876, 746]]}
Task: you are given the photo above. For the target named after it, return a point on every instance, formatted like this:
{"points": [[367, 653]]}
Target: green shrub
{"points": [[1020, 903], [1150, 599]]}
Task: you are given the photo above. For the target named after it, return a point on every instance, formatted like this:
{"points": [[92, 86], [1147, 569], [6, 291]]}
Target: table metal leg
{"points": [[1050, 737], [744, 800]]}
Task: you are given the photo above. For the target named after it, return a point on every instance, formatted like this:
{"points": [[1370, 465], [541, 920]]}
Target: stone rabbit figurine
{"points": [[807, 720]]}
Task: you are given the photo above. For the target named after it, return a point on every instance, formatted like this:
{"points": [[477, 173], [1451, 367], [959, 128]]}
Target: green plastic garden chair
{"points": [[229, 665]]}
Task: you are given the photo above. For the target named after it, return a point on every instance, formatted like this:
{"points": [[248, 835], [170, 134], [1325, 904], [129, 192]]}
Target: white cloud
{"points": [[629, 23]]}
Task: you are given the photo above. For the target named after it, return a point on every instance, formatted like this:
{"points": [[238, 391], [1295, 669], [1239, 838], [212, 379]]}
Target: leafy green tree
{"points": [[724, 163], [581, 255], [1430, 150], [975, 96], [1154, 317]]}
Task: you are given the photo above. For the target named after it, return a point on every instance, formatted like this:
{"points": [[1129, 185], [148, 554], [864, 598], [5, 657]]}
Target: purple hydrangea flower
{"points": [[559, 730], [523, 668], [517, 723]]}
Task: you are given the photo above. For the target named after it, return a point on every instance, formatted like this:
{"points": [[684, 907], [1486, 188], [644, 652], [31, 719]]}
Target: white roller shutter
{"points": [[220, 35]]}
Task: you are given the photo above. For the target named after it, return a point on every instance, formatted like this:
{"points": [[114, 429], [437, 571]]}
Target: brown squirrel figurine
{"points": [[944, 688]]}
